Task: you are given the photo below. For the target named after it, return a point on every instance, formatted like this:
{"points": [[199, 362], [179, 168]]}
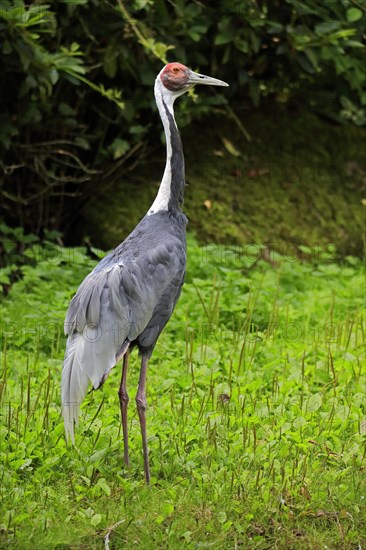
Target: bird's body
{"points": [[130, 295], [101, 319]]}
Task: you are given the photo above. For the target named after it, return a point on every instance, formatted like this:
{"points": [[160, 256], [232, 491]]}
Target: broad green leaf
{"points": [[96, 519], [354, 14], [102, 483], [314, 402]]}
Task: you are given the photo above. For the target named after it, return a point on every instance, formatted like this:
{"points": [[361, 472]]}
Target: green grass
{"points": [[256, 416]]}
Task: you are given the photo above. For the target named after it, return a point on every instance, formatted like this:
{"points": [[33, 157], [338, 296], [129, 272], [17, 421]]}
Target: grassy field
{"points": [[256, 416]]}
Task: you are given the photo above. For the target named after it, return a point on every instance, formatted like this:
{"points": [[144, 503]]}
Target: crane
{"points": [[128, 298]]}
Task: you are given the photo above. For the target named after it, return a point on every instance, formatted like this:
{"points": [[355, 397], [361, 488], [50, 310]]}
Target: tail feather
{"points": [[90, 355], [74, 383], [89, 358]]}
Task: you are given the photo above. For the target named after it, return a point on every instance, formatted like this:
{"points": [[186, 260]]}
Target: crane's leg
{"points": [[141, 408], [123, 401]]}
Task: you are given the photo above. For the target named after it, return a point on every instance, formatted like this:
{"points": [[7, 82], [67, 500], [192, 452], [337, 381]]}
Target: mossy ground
{"points": [[299, 181]]}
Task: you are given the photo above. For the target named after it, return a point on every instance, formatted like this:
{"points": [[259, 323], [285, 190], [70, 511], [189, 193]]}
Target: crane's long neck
{"points": [[171, 190]]}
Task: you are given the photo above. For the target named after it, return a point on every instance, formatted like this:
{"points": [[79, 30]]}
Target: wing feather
{"points": [[90, 355], [121, 301]]}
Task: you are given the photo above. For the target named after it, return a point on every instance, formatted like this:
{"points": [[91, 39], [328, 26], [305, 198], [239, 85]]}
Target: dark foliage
{"points": [[76, 82]]}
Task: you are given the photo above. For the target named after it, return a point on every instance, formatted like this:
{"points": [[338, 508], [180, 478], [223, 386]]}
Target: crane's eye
{"points": [[176, 70]]}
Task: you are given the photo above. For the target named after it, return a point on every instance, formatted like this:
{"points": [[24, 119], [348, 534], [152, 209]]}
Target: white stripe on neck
{"points": [[161, 201]]}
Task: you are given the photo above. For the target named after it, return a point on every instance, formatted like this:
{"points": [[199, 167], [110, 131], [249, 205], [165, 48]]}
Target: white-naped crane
{"points": [[126, 301]]}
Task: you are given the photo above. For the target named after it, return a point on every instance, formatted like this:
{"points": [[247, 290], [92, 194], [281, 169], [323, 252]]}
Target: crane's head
{"points": [[176, 79]]}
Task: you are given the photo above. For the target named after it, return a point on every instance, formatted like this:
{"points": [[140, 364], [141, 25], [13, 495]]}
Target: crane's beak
{"points": [[196, 78]]}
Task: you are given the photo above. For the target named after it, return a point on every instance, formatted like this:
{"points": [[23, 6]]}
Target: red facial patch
{"points": [[175, 76]]}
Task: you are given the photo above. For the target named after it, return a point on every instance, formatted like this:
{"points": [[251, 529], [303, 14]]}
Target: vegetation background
{"points": [[257, 387], [81, 140]]}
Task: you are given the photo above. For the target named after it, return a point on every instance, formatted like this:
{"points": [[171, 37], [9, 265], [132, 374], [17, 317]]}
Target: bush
{"points": [[76, 82]]}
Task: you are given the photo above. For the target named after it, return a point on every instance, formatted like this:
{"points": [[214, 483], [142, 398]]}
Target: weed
{"points": [[256, 414]]}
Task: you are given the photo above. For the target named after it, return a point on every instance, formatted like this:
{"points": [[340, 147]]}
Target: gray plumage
{"points": [[129, 297]]}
